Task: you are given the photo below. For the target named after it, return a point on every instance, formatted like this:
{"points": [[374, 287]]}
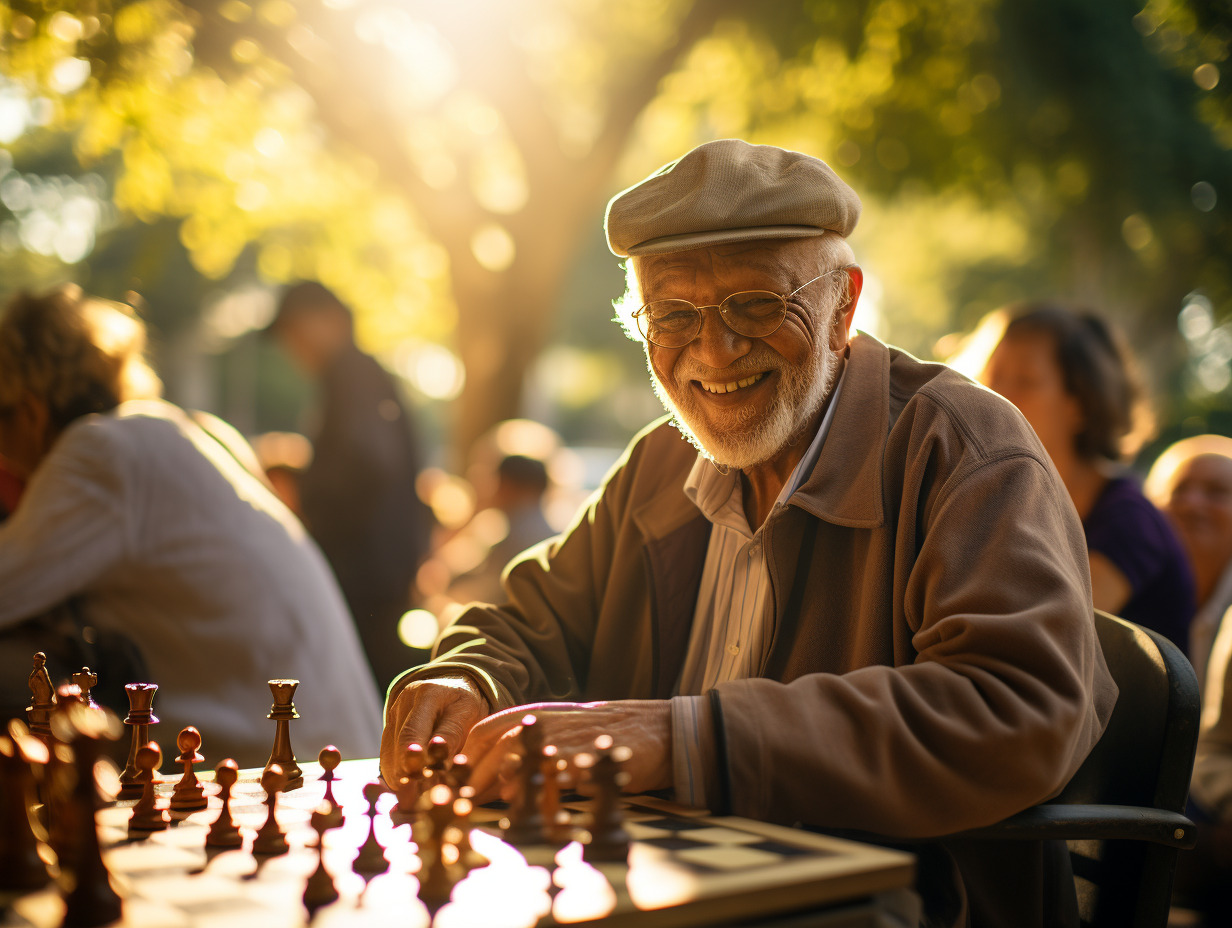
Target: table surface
{"points": [[685, 868]]}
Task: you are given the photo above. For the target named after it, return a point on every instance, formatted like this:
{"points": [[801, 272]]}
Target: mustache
{"points": [[688, 369]]}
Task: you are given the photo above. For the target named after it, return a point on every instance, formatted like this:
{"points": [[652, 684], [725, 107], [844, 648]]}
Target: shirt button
{"points": [[733, 649]]}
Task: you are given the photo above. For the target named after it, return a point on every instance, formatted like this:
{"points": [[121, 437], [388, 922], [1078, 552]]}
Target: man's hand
{"points": [[642, 725], [447, 706]]}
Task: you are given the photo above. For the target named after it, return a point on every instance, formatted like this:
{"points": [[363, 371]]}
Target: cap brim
{"points": [[689, 241]]}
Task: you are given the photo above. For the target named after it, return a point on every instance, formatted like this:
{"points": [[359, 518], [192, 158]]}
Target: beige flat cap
{"points": [[729, 191]]}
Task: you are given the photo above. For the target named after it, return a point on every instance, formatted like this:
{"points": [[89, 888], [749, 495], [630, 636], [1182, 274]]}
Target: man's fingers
{"points": [[487, 753]]}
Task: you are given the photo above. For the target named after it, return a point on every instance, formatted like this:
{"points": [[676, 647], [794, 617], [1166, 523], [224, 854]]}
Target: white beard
{"points": [[747, 439]]}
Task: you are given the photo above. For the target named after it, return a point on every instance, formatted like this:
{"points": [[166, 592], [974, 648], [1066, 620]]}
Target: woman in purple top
{"points": [[1073, 380]]}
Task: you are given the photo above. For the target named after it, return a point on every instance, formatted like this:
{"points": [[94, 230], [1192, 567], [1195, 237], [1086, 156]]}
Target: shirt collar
{"points": [[719, 496]]}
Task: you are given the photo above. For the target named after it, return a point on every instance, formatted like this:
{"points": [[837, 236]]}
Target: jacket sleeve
{"points": [[69, 528], [1005, 696], [537, 645]]}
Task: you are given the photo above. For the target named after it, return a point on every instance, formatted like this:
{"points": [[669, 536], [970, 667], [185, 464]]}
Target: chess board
{"points": [[685, 868]]}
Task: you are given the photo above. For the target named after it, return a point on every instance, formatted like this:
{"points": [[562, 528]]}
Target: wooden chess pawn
{"points": [[371, 859], [320, 890], [526, 822], [329, 759], [148, 814], [282, 713], [86, 680], [189, 794], [224, 832], [21, 868], [440, 872], [140, 717], [410, 781], [609, 842], [270, 841]]}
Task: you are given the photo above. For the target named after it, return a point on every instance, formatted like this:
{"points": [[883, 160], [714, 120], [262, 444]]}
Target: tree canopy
{"points": [[444, 167]]}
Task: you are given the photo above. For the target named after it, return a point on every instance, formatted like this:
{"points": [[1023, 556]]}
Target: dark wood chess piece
{"points": [[329, 759], [148, 814], [609, 842], [21, 868], [270, 841], [86, 680], [90, 900], [140, 717], [282, 713], [371, 859], [410, 782], [440, 872], [224, 832], [526, 822], [320, 890], [189, 794], [42, 700]]}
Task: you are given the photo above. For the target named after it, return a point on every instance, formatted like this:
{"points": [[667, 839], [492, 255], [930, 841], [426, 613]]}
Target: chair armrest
{"points": [[1077, 822]]}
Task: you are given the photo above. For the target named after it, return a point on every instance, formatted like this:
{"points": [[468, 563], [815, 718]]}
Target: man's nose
{"points": [[717, 345]]}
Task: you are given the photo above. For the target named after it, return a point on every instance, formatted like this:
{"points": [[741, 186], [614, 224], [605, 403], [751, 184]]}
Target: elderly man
{"points": [[837, 586]]}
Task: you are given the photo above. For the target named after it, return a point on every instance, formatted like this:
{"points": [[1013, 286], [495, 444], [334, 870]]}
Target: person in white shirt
{"points": [[158, 531]]}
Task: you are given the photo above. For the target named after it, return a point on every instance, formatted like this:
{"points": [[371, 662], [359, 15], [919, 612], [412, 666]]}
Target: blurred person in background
{"points": [[154, 529], [284, 456], [1192, 482], [509, 475], [357, 496], [1074, 381]]}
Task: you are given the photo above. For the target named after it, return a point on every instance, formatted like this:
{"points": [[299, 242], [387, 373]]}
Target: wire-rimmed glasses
{"points": [[751, 313]]}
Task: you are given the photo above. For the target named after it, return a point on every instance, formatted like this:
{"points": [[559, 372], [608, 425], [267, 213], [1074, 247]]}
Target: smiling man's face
{"points": [[741, 400]]}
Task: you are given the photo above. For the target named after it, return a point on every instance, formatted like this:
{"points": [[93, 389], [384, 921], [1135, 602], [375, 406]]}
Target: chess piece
{"points": [[282, 712], [21, 868], [440, 872], [86, 680], [410, 781], [371, 859], [320, 890], [89, 898], [42, 699], [270, 841], [59, 776], [555, 820], [609, 842], [224, 832], [148, 813], [189, 794], [141, 717], [329, 759], [526, 823], [436, 758]]}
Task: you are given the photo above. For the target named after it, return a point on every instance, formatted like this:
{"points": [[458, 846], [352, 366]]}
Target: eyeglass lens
{"points": [[675, 323]]}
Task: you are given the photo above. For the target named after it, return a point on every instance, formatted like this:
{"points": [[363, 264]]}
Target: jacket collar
{"points": [[845, 486]]}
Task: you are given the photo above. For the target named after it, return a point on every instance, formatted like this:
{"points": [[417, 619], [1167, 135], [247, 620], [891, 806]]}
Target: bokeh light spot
{"points": [[493, 247], [417, 628]]}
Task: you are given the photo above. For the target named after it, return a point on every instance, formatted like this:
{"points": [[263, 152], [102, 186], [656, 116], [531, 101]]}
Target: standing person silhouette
{"points": [[358, 494]]}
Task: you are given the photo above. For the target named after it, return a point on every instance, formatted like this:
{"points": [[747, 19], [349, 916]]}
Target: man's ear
{"points": [[842, 325]]}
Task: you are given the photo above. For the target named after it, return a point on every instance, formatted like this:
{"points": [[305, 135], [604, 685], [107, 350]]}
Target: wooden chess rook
{"points": [[282, 713], [140, 717]]}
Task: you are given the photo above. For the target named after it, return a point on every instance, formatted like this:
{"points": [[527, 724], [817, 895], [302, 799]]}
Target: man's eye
{"points": [[754, 305]]}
